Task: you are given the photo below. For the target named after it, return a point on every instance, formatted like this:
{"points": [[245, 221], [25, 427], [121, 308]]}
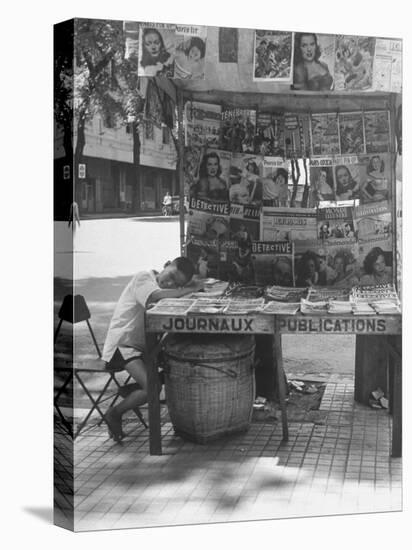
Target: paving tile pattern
{"points": [[337, 463]]}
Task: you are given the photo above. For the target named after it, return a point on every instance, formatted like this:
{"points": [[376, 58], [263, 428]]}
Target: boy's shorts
{"points": [[129, 353]]}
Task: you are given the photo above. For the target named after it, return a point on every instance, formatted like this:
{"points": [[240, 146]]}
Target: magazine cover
{"points": [[245, 180], [377, 138], [325, 134], [313, 62], [273, 263], [157, 43], [183, 395], [273, 56], [275, 181], [297, 135], [202, 124], [238, 128], [270, 135], [354, 62], [352, 138], [213, 176], [288, 224], [190, 52], [387, 65]]}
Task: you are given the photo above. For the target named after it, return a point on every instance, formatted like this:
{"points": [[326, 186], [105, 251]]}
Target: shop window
{"points": [[165, 135]]}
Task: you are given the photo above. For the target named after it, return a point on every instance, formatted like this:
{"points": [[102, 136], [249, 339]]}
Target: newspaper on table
{"points": [[297, 135], [273, 56], [208, 305], [270, 135], [281, 308], [273, 263], [288, 224], [286, 294], [243, 307], [325, 134], [202, 124], [190, 52], [387, 72], [313, 308], [382, 298], [354, 56], [172, 306], [377, 131], [245, 180]]}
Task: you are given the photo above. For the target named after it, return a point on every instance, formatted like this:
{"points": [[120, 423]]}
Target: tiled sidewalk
{"points": [[336, 461]]}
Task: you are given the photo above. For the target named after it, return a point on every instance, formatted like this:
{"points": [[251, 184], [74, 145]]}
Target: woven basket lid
{"points": [[208, 346]]}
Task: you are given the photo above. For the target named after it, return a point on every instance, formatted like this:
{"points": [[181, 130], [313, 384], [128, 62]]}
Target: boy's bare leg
{"points": [[137, 370]]}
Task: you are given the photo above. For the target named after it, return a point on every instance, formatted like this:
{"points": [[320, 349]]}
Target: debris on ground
{"points": [[377, 399]]}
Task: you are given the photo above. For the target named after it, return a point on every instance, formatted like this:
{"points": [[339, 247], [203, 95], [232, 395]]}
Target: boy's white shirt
{"points": [[127, 327]]}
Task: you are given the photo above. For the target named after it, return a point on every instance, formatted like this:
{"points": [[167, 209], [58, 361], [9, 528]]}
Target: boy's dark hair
{"points": [[185, 266]]}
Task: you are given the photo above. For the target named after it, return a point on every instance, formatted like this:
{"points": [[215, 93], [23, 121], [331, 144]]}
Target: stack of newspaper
{"points": [[285, 293], [381, 299], [243, 307], [281, 308], [362, 308], [208, 305], [308, 307], [172, 306], [339, 306], [213, 288]]}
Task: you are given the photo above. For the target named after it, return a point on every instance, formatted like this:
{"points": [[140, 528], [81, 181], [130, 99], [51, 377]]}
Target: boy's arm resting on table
{"points": [[161, 293]]}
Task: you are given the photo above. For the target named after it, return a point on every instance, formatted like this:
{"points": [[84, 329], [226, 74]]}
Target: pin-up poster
{"points": [[354, 62], [273, 56], [275, 181], [335, 225], [157, 45], [313, 62], [322, 182], [347, 178], [213, 178], [190, 52], [375, 178], [245, 180]]}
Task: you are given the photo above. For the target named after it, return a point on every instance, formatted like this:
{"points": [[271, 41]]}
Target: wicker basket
{"points": [[210, 384]]}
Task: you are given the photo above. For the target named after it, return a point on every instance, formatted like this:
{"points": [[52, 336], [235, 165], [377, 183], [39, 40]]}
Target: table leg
{"points": [[155, 441], [395, 360], [280, 373]]}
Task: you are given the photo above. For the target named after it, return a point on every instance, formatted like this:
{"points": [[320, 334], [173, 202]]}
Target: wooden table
{"points": [[384, 326]]}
